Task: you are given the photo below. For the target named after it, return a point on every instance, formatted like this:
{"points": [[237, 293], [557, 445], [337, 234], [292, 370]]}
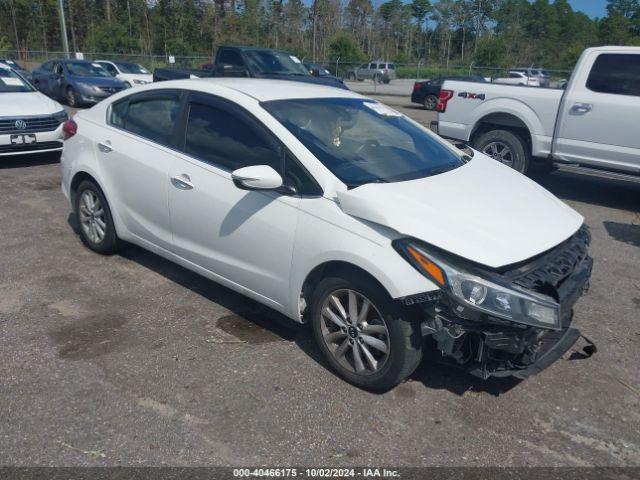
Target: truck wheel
{"points": [[363, 334], [430, 102], [506, 147]]}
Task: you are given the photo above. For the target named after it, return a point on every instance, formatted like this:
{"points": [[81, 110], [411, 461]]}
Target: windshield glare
{"points": [[131, 68], [10, 81], [82, 69], [363, 141], [278, 63]]}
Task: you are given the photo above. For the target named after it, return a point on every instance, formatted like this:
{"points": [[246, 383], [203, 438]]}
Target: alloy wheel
{"points": [[499, 151], [430, 102], [354, 332], [92, 217]]}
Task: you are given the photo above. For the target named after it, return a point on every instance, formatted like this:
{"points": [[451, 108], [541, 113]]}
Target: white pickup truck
{"points": [[592, 126]]}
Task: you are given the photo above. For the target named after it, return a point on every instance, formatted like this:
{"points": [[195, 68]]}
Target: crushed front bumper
{"points": [[490, 347]]}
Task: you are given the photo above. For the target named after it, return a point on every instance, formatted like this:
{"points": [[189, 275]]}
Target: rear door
{"points": [[244, 237], [599, 114], [136, 152]]}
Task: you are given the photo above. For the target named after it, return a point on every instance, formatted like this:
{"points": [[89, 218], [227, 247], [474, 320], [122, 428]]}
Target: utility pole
{"points": [[63, 29]]}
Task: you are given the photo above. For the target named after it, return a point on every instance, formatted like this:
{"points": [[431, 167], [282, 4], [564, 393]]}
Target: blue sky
{"points": [[593, 8]]}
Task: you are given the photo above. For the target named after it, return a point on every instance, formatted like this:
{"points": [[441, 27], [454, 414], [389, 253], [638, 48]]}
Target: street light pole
{"points": [[63, 29]]}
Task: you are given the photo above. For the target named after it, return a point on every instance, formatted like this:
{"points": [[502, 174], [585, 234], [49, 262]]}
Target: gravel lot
{"points": [[131, 360]]}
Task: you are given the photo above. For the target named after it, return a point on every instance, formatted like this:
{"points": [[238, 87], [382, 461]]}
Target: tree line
{"points": [[498, 33]]}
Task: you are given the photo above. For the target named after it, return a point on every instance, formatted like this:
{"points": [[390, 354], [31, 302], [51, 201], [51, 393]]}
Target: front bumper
{"points": [[490, 347], [45, 142]]}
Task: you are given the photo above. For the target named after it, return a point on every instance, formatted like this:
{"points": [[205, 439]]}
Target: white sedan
{"points": [[515, 77], [30, 122], [335, 210], [132, 74]]}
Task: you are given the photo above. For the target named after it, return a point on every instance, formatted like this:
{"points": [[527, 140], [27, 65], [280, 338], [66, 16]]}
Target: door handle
{"points": [[182, 182], [580, 108], [105, 147]]}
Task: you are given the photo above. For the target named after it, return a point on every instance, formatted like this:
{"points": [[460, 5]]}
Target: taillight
{"points": [[445, 96], [69, 129], [416, 86]]}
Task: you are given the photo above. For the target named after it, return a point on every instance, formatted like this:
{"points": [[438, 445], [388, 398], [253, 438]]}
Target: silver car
{"points": [[378, 71], [542, 75]]}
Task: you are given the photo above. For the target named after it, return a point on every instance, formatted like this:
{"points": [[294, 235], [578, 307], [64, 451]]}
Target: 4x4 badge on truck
{"points": [[478, 96]]}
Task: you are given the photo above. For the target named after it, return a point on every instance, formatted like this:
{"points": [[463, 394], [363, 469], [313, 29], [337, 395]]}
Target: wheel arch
{"points": [[327, 269], [503, 121], [86, 174]]}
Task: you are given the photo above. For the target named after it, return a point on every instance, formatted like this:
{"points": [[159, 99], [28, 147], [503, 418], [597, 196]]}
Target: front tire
{"points": [[363, 334], [506, 147], [71, 98], [97, 230]]}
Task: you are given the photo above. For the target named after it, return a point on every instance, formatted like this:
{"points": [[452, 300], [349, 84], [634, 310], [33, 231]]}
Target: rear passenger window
{"points": [[218, 137], [615, 73], [118, 113], [153, 117]]}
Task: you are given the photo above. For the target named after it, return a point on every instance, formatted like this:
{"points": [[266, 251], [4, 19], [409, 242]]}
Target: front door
{"points": [[243, 237], [599, 114]]}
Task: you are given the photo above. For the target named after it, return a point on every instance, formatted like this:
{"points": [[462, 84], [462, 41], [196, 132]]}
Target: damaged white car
{"points": [[337, 211]]}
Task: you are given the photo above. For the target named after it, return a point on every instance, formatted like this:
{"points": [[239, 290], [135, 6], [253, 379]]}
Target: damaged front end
{"points": [[514, 321]]}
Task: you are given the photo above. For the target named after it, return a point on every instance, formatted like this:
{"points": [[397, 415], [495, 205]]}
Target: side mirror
{"points": [[257, 177]]}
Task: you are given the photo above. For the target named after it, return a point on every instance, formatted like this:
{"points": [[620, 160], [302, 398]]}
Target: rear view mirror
{"points": [[257, 177]]}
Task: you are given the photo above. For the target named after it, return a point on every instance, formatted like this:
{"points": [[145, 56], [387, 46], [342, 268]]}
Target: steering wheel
{"points": [[368, 143]]}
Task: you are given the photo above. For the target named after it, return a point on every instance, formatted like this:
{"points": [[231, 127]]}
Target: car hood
{"points": [[482, 211], [22, 104], [97, 81]]}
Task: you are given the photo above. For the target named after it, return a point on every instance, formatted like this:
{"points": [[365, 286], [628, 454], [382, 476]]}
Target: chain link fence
{"points": [[340, 68]]}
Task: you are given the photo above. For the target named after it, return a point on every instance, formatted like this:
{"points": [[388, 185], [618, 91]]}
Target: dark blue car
{"points": [[78, 82]]}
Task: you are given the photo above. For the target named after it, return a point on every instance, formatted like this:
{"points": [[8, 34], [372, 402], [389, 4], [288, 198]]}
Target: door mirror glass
{"points": [[257, 177]]}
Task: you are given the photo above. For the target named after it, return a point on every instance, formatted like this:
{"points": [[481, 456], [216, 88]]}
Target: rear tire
{"points": [[430, 102], [364, 336], [97, 230], [506, 147]]}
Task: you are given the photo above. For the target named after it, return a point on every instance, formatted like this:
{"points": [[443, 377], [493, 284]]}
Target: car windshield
{"points": [[126, 67], [10, 81], [363, 141], [86, 69], [276, 63]]}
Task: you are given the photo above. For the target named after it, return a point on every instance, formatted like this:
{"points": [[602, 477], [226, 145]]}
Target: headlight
{"points": [[139, 82], [89, 87], [486, 295], [61, 116]]}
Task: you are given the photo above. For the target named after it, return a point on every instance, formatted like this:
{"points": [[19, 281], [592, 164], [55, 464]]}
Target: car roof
{"points": [[265, 90]]}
